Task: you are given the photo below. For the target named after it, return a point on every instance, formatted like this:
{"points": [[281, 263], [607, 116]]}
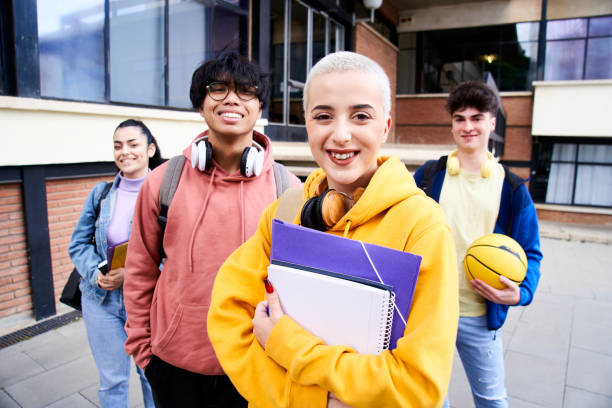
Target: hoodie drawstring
{"points": [[347, 228], [243, 219], [195, 226]]}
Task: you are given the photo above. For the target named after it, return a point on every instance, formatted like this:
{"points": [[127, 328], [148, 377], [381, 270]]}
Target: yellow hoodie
{"points": [[297, 369]]}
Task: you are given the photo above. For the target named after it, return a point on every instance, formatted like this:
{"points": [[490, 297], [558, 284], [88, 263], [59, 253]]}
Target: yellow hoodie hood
{"points": [[390, 184]]}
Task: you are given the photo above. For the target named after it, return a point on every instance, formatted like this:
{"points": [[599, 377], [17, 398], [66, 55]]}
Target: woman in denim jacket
{"points": [[135, 151]]}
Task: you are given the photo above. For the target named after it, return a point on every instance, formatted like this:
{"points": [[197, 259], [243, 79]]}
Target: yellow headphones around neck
{"points": [[453, 167]]}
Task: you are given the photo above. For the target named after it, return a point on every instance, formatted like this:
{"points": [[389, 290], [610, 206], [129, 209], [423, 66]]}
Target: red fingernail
{"points": [[269, 287]]}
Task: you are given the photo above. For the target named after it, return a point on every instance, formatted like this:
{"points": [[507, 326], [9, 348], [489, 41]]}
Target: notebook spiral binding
{"points": [[385, 339]]}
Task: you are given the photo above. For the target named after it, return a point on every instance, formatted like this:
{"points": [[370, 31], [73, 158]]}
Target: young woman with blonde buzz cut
{"points": [[272, 361]]}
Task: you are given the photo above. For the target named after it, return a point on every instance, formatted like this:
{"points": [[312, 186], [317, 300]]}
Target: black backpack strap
{"points": [[172, 175], [430, 168], [103, 195], [281, 177]]}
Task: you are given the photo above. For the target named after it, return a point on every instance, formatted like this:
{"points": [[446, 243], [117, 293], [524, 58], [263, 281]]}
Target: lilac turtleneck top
{"points": [[121, 219]]}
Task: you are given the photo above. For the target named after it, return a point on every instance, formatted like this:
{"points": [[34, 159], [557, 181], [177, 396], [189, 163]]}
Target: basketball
{"points": [[493, 255]]}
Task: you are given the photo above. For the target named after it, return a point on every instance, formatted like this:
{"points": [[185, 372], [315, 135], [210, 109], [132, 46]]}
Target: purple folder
{"points": [[315, 249]]}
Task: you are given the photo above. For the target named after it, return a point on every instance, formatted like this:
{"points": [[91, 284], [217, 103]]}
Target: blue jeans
{"points": [[481, 352], [105, 330]]}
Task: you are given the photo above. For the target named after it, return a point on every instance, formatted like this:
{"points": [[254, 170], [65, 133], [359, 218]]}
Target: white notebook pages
{"points": [[339, 309]]}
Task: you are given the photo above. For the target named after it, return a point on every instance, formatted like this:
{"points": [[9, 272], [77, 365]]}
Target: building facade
{"points": [[70, 71]]}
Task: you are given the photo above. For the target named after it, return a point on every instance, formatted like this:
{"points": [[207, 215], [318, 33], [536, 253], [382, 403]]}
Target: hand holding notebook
{"points": [[340, 309], [306, 249]]}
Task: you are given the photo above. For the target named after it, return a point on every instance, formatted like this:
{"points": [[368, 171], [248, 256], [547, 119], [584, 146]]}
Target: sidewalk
{"points": [[558, 350]]}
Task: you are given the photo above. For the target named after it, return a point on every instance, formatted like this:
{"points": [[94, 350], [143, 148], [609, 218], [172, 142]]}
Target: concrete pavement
{"points": [[558, 350]]}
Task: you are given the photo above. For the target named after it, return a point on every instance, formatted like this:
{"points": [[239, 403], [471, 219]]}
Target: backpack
{"points": [[170, 182], [431, 167]]}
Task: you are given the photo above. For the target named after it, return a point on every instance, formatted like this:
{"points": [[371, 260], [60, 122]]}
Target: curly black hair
{"points": [[229, 67], [473, 94]]}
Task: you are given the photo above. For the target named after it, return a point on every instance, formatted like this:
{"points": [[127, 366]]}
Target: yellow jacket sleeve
{"points": [[237, 290], [417, 372]]}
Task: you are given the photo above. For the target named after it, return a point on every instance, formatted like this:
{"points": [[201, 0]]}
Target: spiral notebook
{"points": [[298, 245], [340, 309]]}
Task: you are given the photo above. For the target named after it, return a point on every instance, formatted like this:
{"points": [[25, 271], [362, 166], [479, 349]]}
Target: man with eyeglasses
{"points": [[226, 182]]}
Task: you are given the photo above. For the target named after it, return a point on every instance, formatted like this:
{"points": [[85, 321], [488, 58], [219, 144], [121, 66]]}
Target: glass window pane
{"points": [[595, 153], [481, 58], [560, 183], [230, 31], [600, 26], [297, 61], [243, 4], [594, 185], [277, 36], [564, 60], [518, 66], [71, 49], [319, 23], [527, 31], [406, 64], [599, 58], [189, 35], [333, 35], [137, 52], [336, 37], [564, 152], [559, 29]]}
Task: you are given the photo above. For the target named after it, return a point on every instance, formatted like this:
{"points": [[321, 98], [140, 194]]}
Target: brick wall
{"points": [[373, 45], [518, 127], [570, 217], [424, 120], [65, 200], [15, 288]]}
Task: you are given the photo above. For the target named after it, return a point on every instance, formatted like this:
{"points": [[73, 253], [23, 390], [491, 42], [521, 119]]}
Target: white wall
{"points": [[572, 108], [469, 15], [38, 131], [485, 13]]}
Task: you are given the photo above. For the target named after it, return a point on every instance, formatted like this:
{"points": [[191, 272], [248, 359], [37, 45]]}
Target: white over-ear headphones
{"points": [[251, 161]]}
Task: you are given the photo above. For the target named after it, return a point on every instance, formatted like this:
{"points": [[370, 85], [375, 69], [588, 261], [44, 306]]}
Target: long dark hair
{"points": [[157, 159]]}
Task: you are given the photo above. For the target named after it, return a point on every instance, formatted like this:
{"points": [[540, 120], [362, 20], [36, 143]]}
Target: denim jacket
{"points": [[82, 253]]}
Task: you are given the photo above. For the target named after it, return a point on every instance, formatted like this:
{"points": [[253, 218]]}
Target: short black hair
{"points": [[229, 67], [157, 159], [473, 94]]}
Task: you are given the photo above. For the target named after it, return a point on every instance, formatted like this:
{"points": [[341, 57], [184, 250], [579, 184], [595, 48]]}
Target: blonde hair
{"points": [[350, 61]]}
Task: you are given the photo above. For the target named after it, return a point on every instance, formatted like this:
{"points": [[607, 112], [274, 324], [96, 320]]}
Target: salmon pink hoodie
{"points": [[212, 213]]}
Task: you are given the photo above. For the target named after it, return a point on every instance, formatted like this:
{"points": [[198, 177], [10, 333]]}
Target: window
{"points": [[573, 173], [579, 48], [435, 61], [300, 35], [136, 51], [71, 49], [508, 52]]}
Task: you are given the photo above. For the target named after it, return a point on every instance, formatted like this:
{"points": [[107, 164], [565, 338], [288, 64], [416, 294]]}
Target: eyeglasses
{"points": [[219, 91]]}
